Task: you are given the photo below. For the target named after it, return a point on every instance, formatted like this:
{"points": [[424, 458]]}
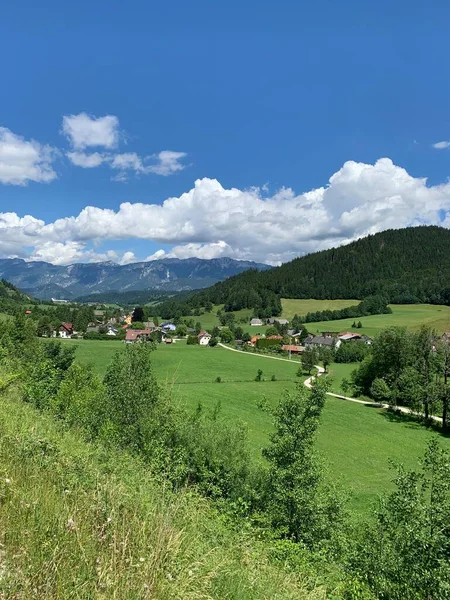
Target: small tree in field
{"points": [[308, 359], [300, 506], [259, 375]]}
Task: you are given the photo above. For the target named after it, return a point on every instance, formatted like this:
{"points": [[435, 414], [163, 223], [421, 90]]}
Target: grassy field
{"points": [[356, 441], [293, 307], [403, 315]]}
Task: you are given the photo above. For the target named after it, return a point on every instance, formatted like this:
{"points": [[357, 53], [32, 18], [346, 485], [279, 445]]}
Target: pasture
{"points": [[411, 316], [356, 441]]}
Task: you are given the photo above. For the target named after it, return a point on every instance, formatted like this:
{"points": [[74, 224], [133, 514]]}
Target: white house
{"points": [[66, 330], [256, 323], [203, 339]]}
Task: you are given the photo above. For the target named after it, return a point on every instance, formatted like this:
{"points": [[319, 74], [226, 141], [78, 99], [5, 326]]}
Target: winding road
{"points": [[321, 371]]}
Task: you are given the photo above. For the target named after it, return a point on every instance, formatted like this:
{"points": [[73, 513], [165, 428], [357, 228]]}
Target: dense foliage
{"points": [[406, 368]]}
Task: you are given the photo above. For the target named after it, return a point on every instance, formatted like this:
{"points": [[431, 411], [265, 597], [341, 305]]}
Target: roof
{"points": [[150, 325], [203, 334], [67, 326], [274, 337], [324, 341], [292, 348], [282, 321], [256, 322], [133, 334], [349, 336]]}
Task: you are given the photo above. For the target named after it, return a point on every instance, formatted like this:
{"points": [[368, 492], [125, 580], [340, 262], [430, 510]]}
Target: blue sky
{"points": [[280, 111]]}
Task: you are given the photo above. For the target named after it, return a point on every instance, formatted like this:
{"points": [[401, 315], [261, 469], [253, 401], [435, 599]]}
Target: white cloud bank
{"points": [[211, 221], [23, 160]]}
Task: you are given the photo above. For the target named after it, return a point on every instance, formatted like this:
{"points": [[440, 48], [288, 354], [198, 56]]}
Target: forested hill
{"points": [[406, 265], [11, 297]]}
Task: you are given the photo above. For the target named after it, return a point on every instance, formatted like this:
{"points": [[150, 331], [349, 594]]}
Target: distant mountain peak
{"points": [[45, 280]]}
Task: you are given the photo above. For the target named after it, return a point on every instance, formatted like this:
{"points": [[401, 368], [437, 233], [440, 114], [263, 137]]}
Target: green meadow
{"points": [[411, 316], [356, 441]]}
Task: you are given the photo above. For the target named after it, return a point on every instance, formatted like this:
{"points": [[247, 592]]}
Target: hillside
{"points": [[406, 265], [45, 280], [10, 296]]}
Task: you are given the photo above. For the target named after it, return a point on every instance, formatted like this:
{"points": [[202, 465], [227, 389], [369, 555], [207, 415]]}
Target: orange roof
{"points": [[292, 348], [133, 334], [274, 337]]}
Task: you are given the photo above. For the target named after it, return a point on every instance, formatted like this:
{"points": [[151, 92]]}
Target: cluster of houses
{"points": [[327, 339]]}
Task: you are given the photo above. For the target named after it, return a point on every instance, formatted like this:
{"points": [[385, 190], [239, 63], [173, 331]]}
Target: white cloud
{"points": [[87, 161], [23, 160], [84, 131], [168, 162], [441, 145], [210, 220]]}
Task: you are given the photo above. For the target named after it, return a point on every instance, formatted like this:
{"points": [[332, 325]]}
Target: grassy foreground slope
{"points": [[79, 521]]}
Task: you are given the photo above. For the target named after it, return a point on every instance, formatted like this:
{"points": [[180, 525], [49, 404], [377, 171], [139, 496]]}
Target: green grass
{"points": [[411, 316], [81, 521], [403, 315], [293, 307], [97, 353], [356, 441]]}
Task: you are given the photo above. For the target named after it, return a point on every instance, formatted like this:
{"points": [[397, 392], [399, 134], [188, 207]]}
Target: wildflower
{"points": [[8, 481], [169, 576], [142, 559], [70, 524]]}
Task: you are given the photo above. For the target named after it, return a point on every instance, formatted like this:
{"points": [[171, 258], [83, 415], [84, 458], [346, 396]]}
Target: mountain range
{"points": [[45, 280]]}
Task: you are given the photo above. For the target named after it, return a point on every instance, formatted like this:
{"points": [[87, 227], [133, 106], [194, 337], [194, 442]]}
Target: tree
{"points": [[271, 331], [198, 327], [405, 554], [131, 395], [380, 391], [359, 325], [213, 342], [226, 335], [326, 356], [181, 330], [259, 375], [309, 358], [246, 337], [300, 507], [138, 314], [238, 333]]}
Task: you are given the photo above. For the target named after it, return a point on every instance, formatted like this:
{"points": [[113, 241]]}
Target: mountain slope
{"points": [[45, 280], [406, 265]]}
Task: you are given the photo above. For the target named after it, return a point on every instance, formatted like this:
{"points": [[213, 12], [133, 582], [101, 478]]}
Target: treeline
{"points": [[286, 501], [407, 368], [406, 266]]}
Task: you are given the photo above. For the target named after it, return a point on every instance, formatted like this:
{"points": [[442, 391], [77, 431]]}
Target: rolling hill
{"points": [[405, 265]]}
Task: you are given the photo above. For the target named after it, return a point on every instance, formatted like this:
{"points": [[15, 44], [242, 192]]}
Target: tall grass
{"points": [[79, 521]]}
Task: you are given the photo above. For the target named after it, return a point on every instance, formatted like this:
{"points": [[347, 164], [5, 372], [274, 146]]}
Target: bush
{"points": [[218, 379]]}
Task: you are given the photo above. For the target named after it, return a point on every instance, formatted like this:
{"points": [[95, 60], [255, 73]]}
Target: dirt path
{"points": [[321, 370]]}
